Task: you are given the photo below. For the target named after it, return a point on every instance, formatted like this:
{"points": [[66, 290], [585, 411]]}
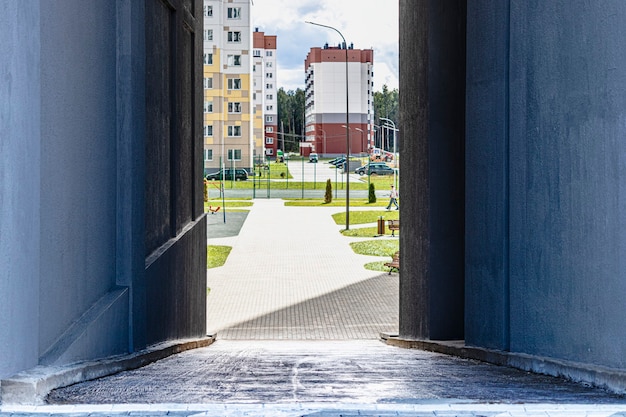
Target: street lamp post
{"points": [[395, 139], [345, 46], [360, 130]]}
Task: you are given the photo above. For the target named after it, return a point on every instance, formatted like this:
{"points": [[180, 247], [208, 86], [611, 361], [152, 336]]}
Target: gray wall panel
{"points": [[79, 162], [19, 185], [566, 82]]}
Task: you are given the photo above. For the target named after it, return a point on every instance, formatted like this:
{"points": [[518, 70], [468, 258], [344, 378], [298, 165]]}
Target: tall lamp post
{"points": [[395, 139], [360, 130], [345, 47]]}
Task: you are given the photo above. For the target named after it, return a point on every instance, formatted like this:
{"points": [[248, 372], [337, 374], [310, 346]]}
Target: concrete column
{"points": [[432, 121]]}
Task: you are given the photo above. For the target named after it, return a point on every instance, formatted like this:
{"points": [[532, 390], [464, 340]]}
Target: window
{"points": [[256, 53], [234, 36], [269, 151], [268, 64], [269, 140], [269, 108], [234, 83], [269, 129], [208, 34], [234, 131], [269, 86], [268, 53], [269, 97], [208, 154], [269, 118], [208, 59], [208, 131], [208, 107], [234, 13], [269, 75], [208, 83], [234, 60], [234, 107], [236, 153], [208, 11]]}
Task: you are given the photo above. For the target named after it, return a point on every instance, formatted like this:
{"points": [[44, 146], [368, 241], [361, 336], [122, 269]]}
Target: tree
{"points": [[386, 104], [328, 196], [291, 118], [372, 194]]}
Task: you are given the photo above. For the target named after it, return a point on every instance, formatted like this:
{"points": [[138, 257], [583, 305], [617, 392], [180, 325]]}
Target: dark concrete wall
{"points": [[432, 111], [546, 121], [77, 208], [175, 238], [487, 183]]}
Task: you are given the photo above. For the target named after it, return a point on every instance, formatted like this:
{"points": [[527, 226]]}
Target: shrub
{"points": [[372, 194], [328, 196]]}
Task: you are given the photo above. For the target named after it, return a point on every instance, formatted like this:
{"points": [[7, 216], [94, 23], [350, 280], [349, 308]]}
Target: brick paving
{"points": [[292, 275], [296, 317]]}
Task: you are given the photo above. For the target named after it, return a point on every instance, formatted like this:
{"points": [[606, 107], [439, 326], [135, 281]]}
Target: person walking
{"points": [[393, 199]]}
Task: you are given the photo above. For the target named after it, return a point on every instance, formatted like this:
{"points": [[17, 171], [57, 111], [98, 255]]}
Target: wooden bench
{"points": [[393, 226], [214, 210], [395, 263]]}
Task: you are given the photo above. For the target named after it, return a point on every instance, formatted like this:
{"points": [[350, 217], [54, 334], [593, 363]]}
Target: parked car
{"points": [[338, 161], [240, 174], [313, 158], [375, 168]]}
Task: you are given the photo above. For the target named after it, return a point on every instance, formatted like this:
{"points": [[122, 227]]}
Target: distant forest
{"points": [[291, 113]]}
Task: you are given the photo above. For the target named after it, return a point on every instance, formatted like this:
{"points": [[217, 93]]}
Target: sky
{"points": [[365, 23]]}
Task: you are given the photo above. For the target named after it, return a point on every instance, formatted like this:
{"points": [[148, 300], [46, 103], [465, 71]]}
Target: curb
{"points": [[31, 387], [613, 380]]}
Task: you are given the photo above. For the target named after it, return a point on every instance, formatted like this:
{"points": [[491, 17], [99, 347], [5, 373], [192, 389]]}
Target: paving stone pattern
{"points": [[297, 320], [292, 275]]}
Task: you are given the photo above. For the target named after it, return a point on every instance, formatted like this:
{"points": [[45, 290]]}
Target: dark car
{"points": [[338, 161], [240, 175], [375, 168]]}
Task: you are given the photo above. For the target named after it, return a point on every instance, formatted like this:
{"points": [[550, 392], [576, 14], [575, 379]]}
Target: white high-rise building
{"points": [[228, 101], [266, 94], [325, 94]]}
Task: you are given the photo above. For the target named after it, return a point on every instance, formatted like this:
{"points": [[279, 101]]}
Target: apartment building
{"points": [[228, 102], [265, 94], [325, 91]]}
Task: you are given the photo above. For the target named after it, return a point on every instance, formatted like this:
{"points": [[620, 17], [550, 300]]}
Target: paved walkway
{"points": [[292, 275], [296, 318]]}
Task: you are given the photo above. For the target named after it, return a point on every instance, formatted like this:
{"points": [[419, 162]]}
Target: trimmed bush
{"points": [[328, 196], [372, 194]]}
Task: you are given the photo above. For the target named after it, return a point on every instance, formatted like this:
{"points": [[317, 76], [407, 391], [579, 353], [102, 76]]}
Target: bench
{"points": [[393, 226], [395, 263], [214, 210]]}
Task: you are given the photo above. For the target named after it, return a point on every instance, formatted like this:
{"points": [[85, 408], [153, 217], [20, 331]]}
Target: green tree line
{"points": [[292, 121]]}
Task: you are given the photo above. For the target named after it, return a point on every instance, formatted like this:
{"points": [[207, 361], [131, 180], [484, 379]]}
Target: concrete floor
{"points": [[297, 319]]}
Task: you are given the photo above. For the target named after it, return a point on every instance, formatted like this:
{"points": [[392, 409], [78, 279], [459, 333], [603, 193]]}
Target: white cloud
{"points": [[365, 23]]}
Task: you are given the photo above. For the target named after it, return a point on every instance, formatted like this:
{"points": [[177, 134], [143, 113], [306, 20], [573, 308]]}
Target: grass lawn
{"points": [[278, 182], [366, 232], [384, 247], [319, 202], [228, 204], [232, 206], [377, 266], [216, 255], [362, 217]]}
